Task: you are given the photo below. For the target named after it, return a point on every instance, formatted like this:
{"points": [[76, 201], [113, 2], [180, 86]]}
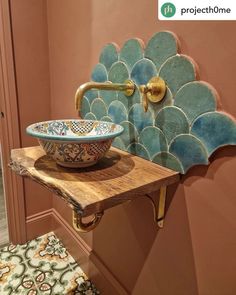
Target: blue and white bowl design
{"points": [[75, 143]]}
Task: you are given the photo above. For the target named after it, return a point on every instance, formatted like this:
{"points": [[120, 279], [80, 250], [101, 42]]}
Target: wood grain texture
{"points": [[117, 178]]}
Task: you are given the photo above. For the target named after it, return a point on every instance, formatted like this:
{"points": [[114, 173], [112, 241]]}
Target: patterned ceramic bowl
{"points": [[75, 143]]}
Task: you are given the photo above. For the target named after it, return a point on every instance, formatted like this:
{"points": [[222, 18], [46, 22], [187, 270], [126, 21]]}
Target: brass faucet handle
{"points": [[156, 89]]}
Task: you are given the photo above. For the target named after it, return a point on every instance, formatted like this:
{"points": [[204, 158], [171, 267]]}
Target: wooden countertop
{"points": [[117, 178]]}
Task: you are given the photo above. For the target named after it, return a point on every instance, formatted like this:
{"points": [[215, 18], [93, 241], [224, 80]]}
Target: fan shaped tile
{"points": [[98, 108], [139, 118], [85, 107], [153, 139], [90, 116], [215, 129], [189, 150], [172, 121], [168, 160], [177, 71], [108, 55], [99, 73], [131, 52], [130, 133], [138, 149], [160, 47], [195, 98], [117, 112], [143, 71], [118, 73]]}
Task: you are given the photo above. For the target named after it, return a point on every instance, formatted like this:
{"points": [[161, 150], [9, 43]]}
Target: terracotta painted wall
{"points": [[30, 41], [195, 252], [60, 41]]}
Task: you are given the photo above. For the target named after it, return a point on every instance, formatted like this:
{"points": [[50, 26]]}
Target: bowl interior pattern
{"points": [[75, 130]]}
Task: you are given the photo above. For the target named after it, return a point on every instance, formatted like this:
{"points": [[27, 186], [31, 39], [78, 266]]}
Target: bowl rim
{"points": [[75, 138]]}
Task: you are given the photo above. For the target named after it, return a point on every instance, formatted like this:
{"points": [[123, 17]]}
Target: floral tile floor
{"points": [[42, 267]]}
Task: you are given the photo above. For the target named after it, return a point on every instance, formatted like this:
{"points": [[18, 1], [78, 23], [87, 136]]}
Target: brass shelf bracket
{"points": [[159, 212], [83, 227]]}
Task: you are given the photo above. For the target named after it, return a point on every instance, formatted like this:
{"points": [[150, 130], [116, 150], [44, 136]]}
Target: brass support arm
{"points": [[80, 226], [128, 87], [159, 213]]}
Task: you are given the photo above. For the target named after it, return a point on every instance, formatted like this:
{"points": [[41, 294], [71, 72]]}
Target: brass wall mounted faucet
{"points": [[128, 87], [154, 91]]}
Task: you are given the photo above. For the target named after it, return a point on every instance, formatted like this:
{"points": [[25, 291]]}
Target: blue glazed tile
{"points": [[153, 139], [108, 96], [172, 121], [129, 101], [106, 119], [139, 150], [130, 133], [195, 98], [160, 47], [189, 150], [168, 160], [143, 71], [214, 129], [117, 112], [177, 71], [131, 52], [166, 101], [90, 116], [139, 118], [85, 107], [108, 56], [98, 108], [118, 143], [118, 73], [91, 95], [99, 73]]}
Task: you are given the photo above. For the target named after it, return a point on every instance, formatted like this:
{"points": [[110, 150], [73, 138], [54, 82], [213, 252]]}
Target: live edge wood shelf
{"points": [[117, 178]]}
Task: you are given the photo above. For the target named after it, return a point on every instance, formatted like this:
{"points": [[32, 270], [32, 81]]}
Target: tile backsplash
{"points": [[179, 132]]}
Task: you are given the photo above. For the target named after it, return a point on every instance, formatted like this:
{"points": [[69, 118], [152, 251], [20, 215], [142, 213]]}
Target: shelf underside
{"points": [[117, 178]]}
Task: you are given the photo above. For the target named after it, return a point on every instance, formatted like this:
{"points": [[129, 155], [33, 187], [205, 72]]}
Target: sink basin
{"points": [[75, 143]]}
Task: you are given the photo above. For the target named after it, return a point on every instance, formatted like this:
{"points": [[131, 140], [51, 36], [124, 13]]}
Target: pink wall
{"points": [[30, 41], [195, 252]]}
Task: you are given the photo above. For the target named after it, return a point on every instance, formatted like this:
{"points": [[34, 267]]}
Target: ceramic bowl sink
{"points": [[75, 143]]}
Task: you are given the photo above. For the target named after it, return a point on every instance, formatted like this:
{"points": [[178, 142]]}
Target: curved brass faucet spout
{"points": [[128, 87]]}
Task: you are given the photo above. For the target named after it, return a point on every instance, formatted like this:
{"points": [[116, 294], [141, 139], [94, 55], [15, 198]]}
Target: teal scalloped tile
{"points": [[131, 52], [166, 101], [215, 129], [85, 107], [130, 133], [177, 71], [129, 101], [143, 71], [118, 73], [98, 108], [195, 98], [153, 139], [139, 118], [117, 112], [160, 47], [139, 150], [118, 143], [99, 73], [189, 150], [106, 119], [108, 55], [90, 116], [108, 96], [91, 95], [168, 160], [172, 121]]}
